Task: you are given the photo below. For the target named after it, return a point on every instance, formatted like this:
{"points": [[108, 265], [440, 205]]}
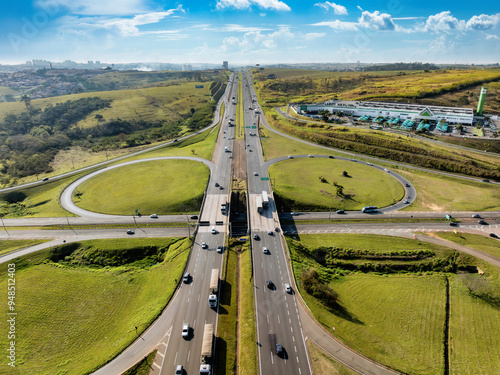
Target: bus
{"points": [[369, 209]]}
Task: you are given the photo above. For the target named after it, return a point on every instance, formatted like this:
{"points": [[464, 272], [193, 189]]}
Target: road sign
{"points": [[254, 127], [264, 178], [248, 127]]}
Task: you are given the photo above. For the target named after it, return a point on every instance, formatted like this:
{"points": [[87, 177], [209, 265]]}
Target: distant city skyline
{"points": [[246, 32]]}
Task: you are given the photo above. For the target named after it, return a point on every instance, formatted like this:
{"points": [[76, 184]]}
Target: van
{"points": [[214, 231]]}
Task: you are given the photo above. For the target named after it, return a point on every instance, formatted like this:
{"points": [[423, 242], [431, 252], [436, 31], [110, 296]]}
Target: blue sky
{"points": [[250, 31]]}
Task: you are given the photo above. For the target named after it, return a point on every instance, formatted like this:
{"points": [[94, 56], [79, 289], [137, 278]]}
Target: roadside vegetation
{"points": [[330, 184], [8, 246], [176, 185], [387, 298], [485, 244], [323, 363], [88, 301]]}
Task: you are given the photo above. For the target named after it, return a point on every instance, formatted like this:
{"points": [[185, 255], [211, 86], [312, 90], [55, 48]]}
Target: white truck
{"points": [[265, 200], [258, 202], [214, 288], [206, 350]]}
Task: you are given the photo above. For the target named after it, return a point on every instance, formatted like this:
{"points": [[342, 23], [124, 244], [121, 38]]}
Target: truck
{"points": [[265, 200], [214, 288], [206, 350], [258, 202]]}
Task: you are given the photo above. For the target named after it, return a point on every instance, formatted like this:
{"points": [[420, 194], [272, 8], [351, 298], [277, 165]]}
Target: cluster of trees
{"points": [[341, 253], [401, 66], [313, 286]]}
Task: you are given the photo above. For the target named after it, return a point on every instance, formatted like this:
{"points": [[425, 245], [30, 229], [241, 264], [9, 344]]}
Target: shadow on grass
{"points": [[41, 203], [337, 309], [221, 357]]}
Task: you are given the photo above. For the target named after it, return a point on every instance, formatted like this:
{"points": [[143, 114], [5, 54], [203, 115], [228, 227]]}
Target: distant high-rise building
{"points": [[225, 65]]}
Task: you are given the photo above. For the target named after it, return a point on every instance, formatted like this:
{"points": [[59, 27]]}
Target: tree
{"points": [[27, 101]]}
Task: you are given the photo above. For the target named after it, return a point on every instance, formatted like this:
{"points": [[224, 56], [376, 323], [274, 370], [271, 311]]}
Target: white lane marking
{"points": [[189, 354], [157, 365], [272, 360], [295, 347], [175, 360], [278, 319], [199, 296], [267, 316]]}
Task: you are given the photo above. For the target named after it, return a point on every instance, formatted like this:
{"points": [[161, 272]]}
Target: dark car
{"points": [[331, 156], [476, 216], [186, 277], [279, 350], [494, 235], [454, 224], [194, 217], [482, 222], [270, 284], [340, 211], [45, 179], [130, 231], [256, 237]]}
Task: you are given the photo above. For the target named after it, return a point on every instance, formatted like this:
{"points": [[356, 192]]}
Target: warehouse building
{"points": [[414, 112]]}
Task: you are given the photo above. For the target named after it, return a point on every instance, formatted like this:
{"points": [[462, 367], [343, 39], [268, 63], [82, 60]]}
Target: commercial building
{"points": [[414, 112]]}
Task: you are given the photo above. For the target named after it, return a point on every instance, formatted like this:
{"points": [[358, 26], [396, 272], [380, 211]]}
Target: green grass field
{"points": [[322, 363], [366, 186], [73, 319], [162, 187], [487, 245], [8, 246], [474, 331]]}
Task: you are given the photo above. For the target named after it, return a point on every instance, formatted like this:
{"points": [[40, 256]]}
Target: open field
{"points": [[443, 193], [77, 314], [474, 328], [380, 314], [176, 185], [8, 246], [365, 185], [322, 363], [487, 245], [431, 87]]}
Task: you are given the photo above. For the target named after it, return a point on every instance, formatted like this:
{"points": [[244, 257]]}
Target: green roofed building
{"points": [[415, 112]]}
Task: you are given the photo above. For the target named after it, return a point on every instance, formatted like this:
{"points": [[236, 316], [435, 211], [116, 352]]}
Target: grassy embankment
{"points": [[8, 246], [237, 352], [399, 319], [364, 185], [322, 363], [162, 187], [82, 304], [487, 245]]}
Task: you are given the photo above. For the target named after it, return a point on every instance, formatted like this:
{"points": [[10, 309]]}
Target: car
{"points": [[256, 236], [248, 144], [214, 231], [476, 216], [216, 184], [353, 160], [186, 277], [453, 223], [45, 179], [406, 201], [486, 180], [175, 140], [255, 174], [386, 170], [130, 231], [277, 229], [154, 216], [294, 213], [185, 330], [204, 245], [482, 222], [265, 250], [369, 163], [331, 157], [407, 184], [219, 249], [230, 156], [279, 349], [290, 157], [340, 211], [221, 187], [179, 370], [310, 156], [270, 284], [288, 288], [194, 217], [270, 232], [494, 235]]}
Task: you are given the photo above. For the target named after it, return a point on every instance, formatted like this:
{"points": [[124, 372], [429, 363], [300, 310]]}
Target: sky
{"points": [[247, 32]]}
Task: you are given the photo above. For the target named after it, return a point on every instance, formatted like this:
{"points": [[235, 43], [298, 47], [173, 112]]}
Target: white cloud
{"points": [[247, 4], [442, 23], [376, 21], [338, 25], [337, 9], [256, 40], [96, 7], [125, 26], [483, 22], [492, 37], [312, 36]]}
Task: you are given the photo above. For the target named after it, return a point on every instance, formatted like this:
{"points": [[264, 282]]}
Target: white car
{"points": [[185, 330], [288, 288], [219, 249], [154, 216], [265, 250], [204, 245]]}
